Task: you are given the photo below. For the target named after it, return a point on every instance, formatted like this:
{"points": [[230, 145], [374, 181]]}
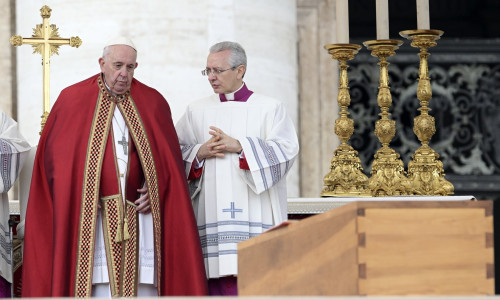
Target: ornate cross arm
{"points": [[74, 41]]}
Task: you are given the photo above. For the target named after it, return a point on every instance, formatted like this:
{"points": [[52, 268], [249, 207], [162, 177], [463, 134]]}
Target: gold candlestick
{"points": [[425, 170], [345, 177], [388, 175]]}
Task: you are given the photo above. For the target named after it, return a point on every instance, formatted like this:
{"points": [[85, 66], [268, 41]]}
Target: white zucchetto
{"points": [[121, 40]]}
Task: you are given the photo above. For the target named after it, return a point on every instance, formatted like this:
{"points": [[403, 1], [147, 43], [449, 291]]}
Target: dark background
{"points": [[463, 19], [470, 26]]}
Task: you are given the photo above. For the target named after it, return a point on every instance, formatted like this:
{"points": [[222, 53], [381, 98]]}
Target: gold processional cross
{"points": [[46, 41]]}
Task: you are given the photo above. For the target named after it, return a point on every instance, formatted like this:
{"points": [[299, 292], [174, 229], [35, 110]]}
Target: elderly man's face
{"points": [[227, 81], [118, 67]]}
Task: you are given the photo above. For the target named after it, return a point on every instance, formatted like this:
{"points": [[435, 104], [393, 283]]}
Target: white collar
{"points": [[230, 96]]}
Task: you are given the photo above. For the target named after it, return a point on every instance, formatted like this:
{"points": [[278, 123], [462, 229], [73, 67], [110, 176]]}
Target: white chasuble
{"points": [[232, 204], [13, 152], [147, 270]]}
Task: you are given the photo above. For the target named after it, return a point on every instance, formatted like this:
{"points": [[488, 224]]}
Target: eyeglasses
{"points": [[214, 72]]}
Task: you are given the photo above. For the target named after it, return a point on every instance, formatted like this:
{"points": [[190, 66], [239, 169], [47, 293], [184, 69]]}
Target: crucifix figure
{"points": [[46, 41], [124, 144]]}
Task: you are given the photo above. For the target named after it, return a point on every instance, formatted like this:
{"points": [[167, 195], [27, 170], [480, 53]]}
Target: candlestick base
{"points": [[345, 177]]}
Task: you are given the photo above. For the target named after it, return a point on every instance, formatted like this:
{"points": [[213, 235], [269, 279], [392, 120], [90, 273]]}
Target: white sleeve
{"points": [[13, 151], [270, 158], [187, 140]]}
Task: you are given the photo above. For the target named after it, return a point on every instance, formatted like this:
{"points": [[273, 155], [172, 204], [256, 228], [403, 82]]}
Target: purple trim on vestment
{"points": [[241, 95], [4, 288], [223, 286]]}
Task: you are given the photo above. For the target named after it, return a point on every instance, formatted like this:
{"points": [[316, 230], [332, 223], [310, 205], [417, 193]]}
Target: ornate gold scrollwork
{"points": [[345, 177], [425, 170], [388, 176]]}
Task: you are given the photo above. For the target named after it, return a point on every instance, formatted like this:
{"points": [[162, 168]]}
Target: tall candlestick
{"points": [[423, 14], [382, 19], [342, 9]]}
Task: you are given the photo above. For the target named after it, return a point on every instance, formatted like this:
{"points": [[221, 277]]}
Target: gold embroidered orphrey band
{"points": [[123, 276]]}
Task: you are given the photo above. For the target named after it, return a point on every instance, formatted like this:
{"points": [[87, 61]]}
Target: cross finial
{"points": [[45, 11], [46, 41]]}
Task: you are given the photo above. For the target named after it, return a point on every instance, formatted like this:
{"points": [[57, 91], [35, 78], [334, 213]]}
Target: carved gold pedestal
{"points": [[387, 175], [345, 177], [425, 170]]}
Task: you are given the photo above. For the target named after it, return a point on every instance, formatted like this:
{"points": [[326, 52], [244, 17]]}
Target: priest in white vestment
{"points": [[13, 151], [237, 147]]}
